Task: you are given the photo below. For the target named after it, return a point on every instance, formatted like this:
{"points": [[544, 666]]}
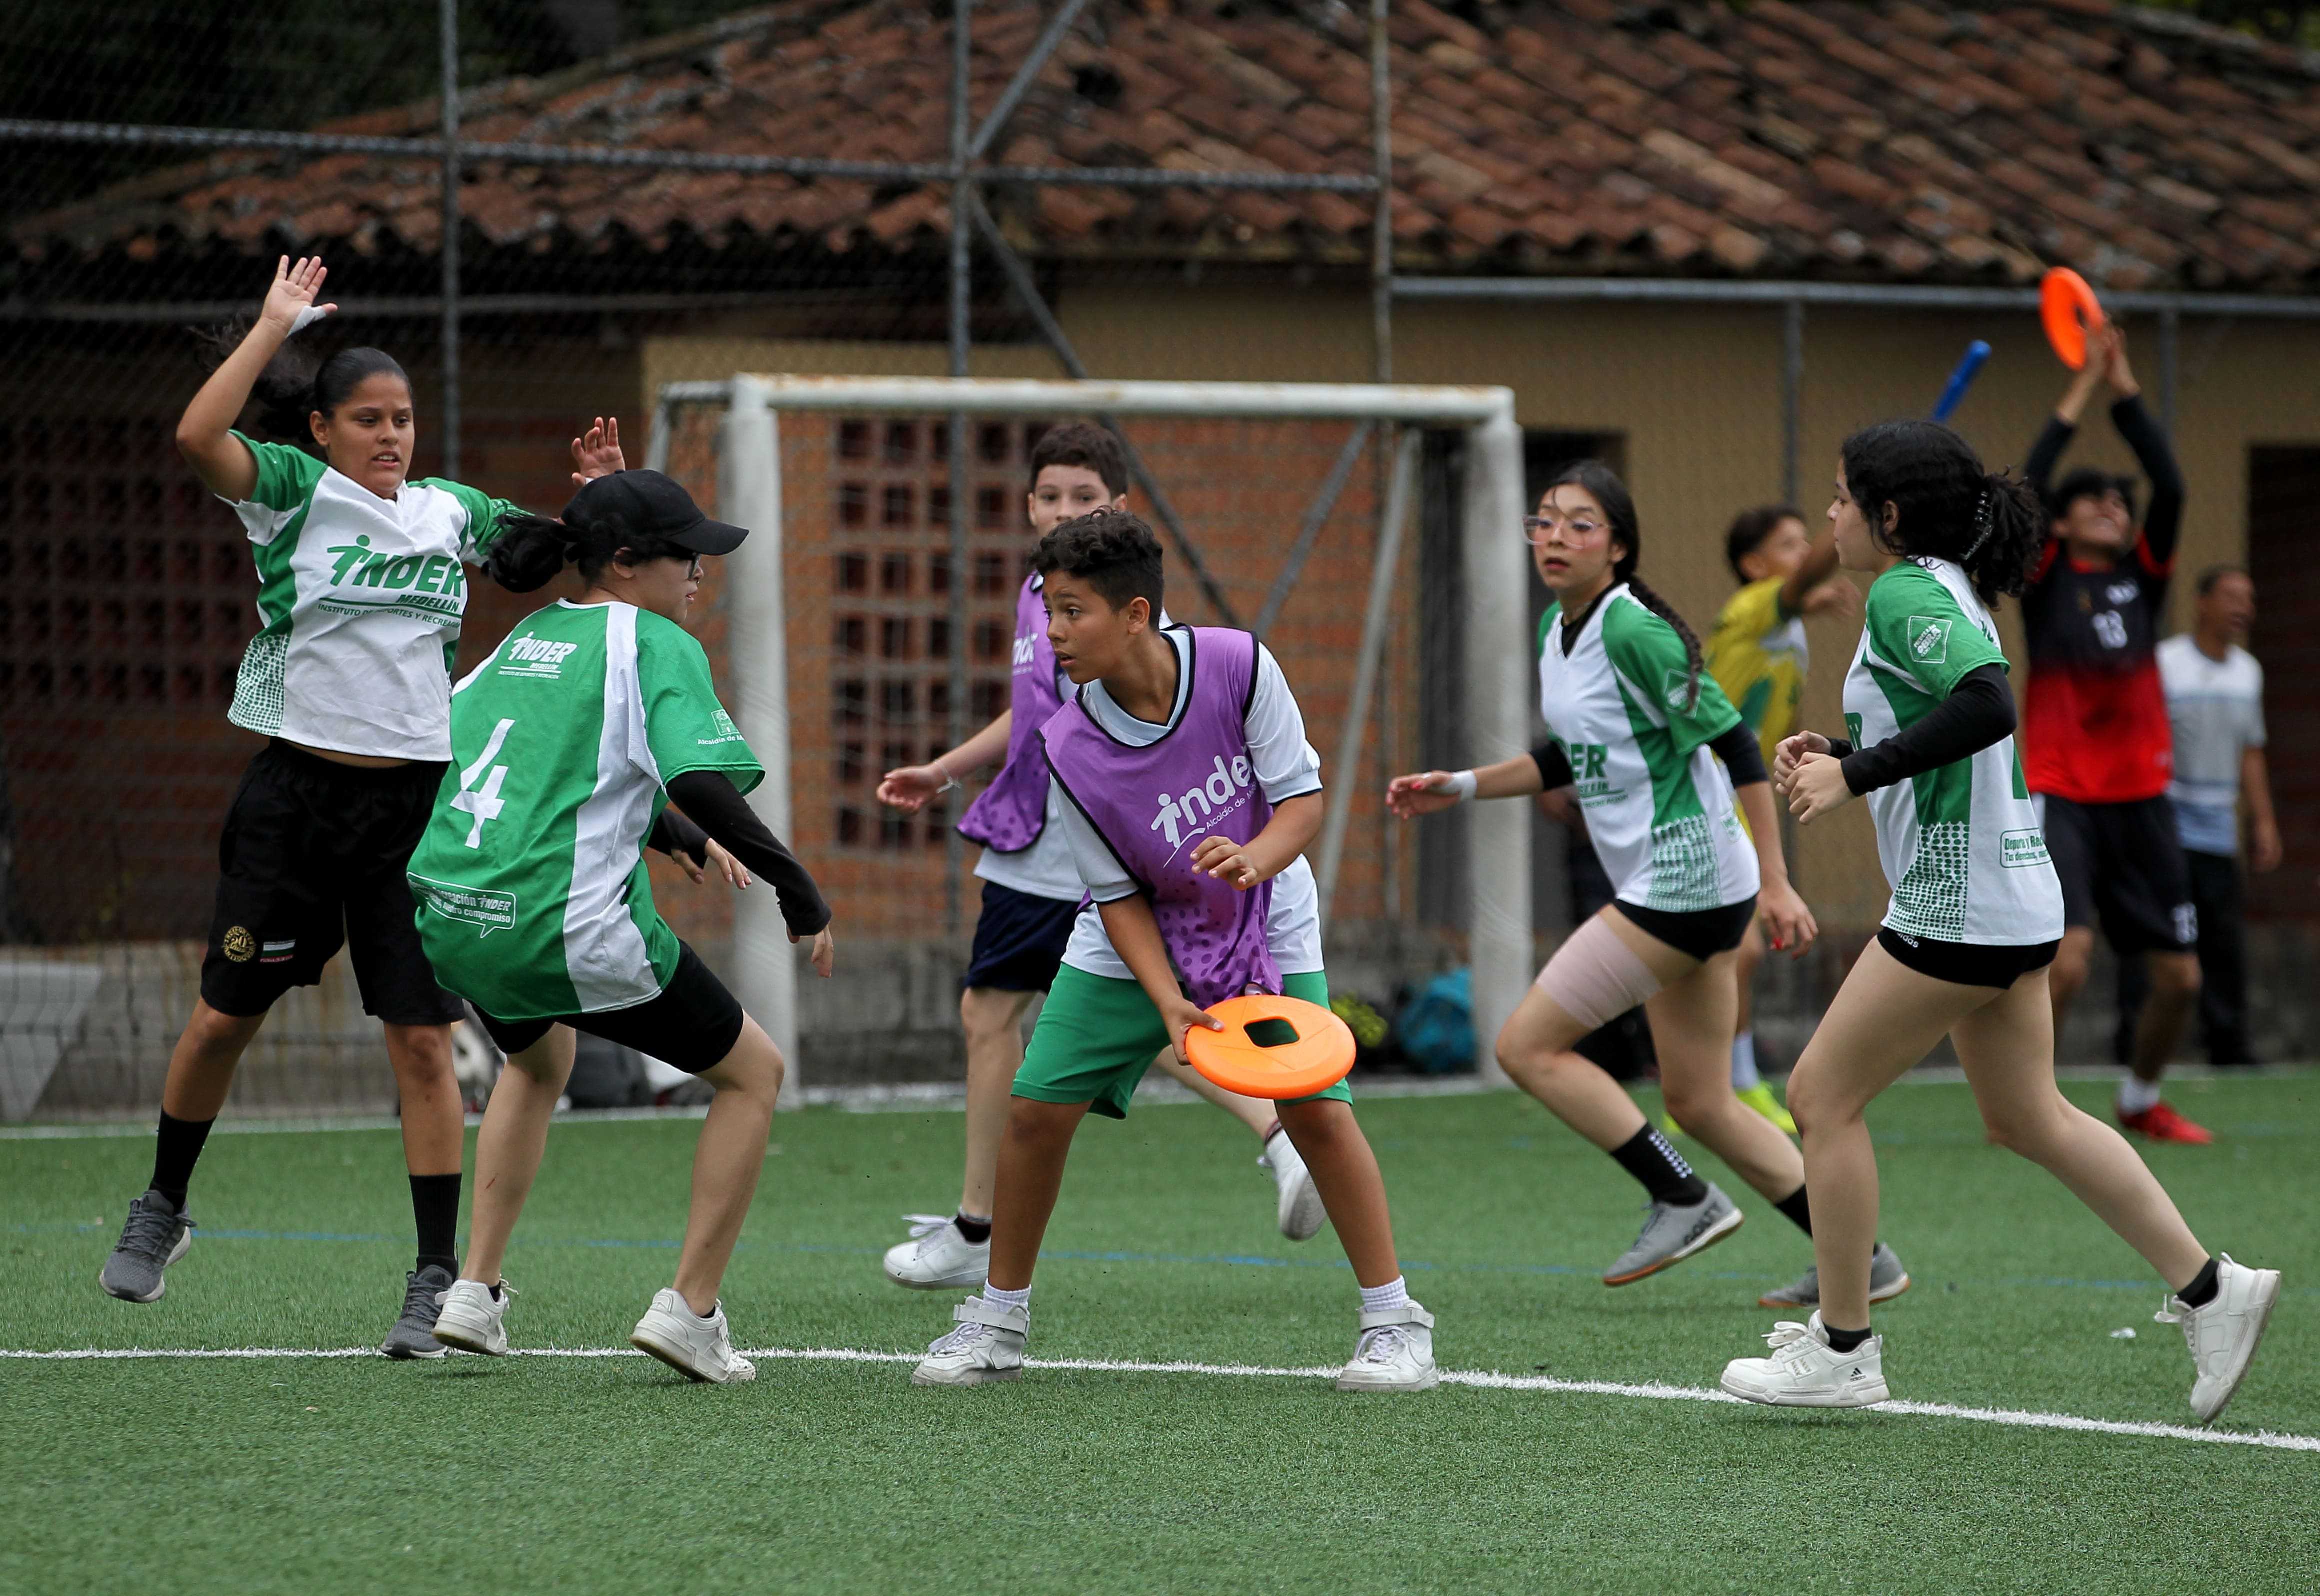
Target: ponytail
{"points": [[299, 380], [1603, 485], [1946, 505], [532, 550]]}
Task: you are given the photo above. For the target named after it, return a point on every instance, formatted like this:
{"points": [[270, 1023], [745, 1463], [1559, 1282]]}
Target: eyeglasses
{"points": [[693, 571], [1537, 527]]}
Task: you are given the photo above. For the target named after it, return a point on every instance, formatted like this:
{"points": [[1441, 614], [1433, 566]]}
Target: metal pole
{"points": [[1792, 399], [450, 335], [1381, 212], [750, 493], [1346, 770], [1026, 75], [962, 205], [2171, 330], [1498, 725], [1317, 516]]}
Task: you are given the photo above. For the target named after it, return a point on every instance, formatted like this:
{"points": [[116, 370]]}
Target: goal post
{"points": [[1496, 644]]}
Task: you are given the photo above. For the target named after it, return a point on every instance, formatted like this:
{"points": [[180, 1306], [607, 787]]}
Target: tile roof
{"points": [[1889, 140]]}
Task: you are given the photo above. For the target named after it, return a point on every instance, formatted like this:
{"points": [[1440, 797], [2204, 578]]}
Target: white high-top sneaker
{"points": [[1806, 1371], [937, 1257], [475, 1321], [987, 1346], [1395, 1353], [2223, 1335], [1301, 1214], [695, 1348]]}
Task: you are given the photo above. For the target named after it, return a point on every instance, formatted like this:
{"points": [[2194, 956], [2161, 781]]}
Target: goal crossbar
{"points": [[1496, 653]]}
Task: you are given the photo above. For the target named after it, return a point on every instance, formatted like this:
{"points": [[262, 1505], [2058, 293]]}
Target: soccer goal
{"points": [[869, 618]]}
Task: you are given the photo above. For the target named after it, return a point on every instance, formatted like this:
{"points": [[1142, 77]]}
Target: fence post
{"points": [[450, 91], [1498, 727]]}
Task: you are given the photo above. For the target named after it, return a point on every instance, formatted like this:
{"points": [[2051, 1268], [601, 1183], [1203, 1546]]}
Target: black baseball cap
{"points": [[646, 504]]}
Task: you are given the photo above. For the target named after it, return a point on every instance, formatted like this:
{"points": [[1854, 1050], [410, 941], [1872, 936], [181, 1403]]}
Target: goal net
{"points": [[868, 624]]}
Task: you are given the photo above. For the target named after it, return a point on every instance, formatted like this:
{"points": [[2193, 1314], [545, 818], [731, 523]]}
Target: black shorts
{"points": [[1703, 934], [313, 860], [2122, 866], [1966, 963], [691, 1026], [1018, 940]]}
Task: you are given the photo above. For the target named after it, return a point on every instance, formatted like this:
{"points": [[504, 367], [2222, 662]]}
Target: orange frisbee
{"points": [[2070, 311], [1316, 1061]]}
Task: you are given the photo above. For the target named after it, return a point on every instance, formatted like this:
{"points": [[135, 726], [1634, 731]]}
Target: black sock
{"points": [[2202, 1289], [435, 1204], [1799, 1212], [179, 1148], [1844, 1340], [976, 1231], [1665, 1176]]}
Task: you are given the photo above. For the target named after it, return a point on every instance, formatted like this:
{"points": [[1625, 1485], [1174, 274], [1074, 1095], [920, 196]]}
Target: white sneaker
{"points": [[987, 1346], [1806, 1371], [2223, 1335], [697, 1348], [937, 1257], [473, 1320], [1395, 1353], [1301, 1214]]}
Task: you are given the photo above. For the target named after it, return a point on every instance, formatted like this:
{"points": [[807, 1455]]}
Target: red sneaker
{"points": [[2161, 1122]]}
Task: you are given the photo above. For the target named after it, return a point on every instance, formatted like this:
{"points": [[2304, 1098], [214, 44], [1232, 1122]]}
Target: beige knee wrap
{"points": [[1595, 977]]}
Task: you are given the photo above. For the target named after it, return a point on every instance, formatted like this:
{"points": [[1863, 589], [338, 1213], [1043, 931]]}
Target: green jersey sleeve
{"points": [[487, 517], [285, 475], [1916, 624], [1652, 659], [686, 727]]}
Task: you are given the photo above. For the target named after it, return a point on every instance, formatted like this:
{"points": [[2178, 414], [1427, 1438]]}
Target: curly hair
{"points": [[1946, 504], [1113, 552], [1603, 485]]}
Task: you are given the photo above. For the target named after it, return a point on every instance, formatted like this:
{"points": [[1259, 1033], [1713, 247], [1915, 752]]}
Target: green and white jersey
{"points": [[362, 599], [1658, 801], [533, 897], [1960, 845]]}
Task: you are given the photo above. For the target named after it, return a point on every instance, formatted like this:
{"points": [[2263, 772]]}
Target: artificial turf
{"points": [[611, 1475]]}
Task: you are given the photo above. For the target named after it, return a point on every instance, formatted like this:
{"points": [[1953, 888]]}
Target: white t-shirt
{"points": [[2217, 708], [362, 599], [1286, 766]]}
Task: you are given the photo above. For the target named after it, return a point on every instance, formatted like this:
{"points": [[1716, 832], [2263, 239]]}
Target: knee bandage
{"points": [[1595, 977]]}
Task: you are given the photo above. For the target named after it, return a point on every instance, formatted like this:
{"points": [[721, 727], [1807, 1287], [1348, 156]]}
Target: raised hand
{"points": [[295, 289], [597, 454]]}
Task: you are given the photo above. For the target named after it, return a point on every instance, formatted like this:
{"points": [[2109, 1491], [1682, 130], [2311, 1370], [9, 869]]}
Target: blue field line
{"points": [[1086, 1256]]}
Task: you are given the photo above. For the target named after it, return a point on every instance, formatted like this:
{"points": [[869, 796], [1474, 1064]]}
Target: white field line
{"points": [[2011, 1418]]}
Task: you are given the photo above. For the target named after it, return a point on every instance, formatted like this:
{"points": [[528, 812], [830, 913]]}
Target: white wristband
{"points": [[949, 781], [1463, 784]]}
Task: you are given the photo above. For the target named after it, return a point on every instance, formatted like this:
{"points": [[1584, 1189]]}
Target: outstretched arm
{"points": [[205, 431], [914, 787], [2162, 521]]}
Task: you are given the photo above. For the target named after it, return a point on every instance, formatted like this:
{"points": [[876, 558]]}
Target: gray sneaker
{"points": [[1673, 1234], [1887, 1280], [413, 1335], [154, 1236]]}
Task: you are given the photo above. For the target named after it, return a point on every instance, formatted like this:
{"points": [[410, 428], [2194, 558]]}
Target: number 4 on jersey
{"points": [[486, 804]]}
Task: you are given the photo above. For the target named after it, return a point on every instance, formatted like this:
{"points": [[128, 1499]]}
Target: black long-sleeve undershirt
{"points": [[2162, 521], [1736, 747], [1979, 711], [715, 809]]}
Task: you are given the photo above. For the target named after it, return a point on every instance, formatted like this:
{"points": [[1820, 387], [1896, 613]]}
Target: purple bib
{"points": [[1012, 810], [1154, 805]]}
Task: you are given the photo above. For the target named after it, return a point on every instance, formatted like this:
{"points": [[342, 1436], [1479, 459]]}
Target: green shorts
{"points": [[1098, 1034]]}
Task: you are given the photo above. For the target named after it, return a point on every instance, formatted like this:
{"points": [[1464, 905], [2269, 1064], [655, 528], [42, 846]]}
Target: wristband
{"points": [[1462, 785], [950, 782], [308, 317]]}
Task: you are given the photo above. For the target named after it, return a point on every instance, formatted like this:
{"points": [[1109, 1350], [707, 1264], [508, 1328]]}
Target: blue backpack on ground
{"points": [[1436, 1029]]}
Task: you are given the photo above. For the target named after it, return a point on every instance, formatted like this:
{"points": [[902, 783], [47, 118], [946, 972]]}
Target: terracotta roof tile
{"points": [[1888, 136]]}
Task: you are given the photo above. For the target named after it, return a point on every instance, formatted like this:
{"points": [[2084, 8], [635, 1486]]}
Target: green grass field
{"points": [[608, 1473]]}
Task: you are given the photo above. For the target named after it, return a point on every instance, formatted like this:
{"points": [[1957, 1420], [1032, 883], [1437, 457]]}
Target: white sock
{"points": [[1007, 1300], [1745, 1077], [2137, 1095], [1393, 1294]]}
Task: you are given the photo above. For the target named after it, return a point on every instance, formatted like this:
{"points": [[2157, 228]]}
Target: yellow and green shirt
{"points": [[1759, 656]]}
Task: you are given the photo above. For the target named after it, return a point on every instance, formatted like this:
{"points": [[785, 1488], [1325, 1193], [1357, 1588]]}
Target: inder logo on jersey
{"points": [[1225, 791], [536, 657], [1930, 639]]}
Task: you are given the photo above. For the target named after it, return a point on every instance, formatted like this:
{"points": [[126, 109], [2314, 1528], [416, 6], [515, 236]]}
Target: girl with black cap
{"points": [[536, 906]]}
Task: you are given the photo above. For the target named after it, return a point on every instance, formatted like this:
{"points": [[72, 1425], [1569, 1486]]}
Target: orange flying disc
{"points": [[1316, 1061], [2070, 311]]}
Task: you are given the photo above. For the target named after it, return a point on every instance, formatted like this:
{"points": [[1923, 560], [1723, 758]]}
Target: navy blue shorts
{"points": [[1018, 940]]}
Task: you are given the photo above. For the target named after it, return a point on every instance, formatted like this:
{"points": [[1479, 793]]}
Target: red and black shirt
{"points": [[2095, 723]]}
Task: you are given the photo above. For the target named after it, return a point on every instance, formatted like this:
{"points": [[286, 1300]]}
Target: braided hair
{"points": [[1603, 485], [1947, 505]]}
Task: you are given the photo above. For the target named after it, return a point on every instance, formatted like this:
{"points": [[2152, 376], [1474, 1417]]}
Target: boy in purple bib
{"points": [[1188, 793], [1031, 895]]}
